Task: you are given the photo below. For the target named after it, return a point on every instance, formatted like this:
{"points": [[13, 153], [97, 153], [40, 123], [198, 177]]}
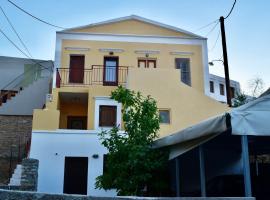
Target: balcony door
{"points": [[110, 71], [76, 69]]}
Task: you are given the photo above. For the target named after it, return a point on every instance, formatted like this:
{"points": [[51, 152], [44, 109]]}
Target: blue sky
{"points": [[247, 28]]}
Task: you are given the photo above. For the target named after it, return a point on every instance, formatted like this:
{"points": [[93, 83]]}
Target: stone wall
{"points": [[15, 132], [29, 174], [19, 195]]}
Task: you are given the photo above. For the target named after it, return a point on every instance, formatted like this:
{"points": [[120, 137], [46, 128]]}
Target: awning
{"points": [[189, 138], [252, 118]]}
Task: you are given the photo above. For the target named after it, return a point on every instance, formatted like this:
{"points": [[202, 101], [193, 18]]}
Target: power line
{"points": [[231, 9], [18, 48], [205, 26], [13, 28], [215, 44], [214, 27], [34, 16]]}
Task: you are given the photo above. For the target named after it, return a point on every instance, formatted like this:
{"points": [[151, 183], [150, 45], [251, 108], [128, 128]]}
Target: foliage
{"points": [[131, 163], [240, 100]]}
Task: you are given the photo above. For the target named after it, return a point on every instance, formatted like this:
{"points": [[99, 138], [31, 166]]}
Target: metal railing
{"points": [[96, 75]]}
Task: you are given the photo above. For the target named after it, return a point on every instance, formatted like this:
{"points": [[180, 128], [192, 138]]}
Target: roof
{"points": [[138, 18]]}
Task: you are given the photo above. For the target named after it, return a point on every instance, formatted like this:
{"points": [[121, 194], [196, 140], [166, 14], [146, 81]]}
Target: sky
{"points": [[247, 28]]}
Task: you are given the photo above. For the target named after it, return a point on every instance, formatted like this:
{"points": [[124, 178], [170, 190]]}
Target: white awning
{"points": [[189, 138], [252, 118]]}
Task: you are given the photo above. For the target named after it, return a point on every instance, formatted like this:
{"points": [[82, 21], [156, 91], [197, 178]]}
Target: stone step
{"points": [[16, 176]]}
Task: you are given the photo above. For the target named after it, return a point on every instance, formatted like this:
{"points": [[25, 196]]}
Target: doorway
{"points": [[110, 71], [75, 175], [76, 71], [75, 122]]}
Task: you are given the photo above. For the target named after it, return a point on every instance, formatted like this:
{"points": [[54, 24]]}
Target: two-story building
{"points": [[163, 61]]}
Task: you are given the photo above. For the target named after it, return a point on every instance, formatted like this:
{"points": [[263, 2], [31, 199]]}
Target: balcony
{"points": [[96, 75]]}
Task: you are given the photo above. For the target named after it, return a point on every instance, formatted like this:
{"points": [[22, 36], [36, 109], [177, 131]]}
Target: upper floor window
{"points": [[184, 65], [164, 116], [221, 89], [147, 63], [107, 116], [212, 88], [232, 92]]}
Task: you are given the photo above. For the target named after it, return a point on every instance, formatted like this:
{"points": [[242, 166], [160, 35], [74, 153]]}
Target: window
{"points": [[184, 65], [164, 116], [212, 88], [221, 89], [107, 116], [232, 92], [147, 63]]}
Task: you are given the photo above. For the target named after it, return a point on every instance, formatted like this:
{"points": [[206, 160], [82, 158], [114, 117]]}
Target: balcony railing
{"points": [[96, 75]]}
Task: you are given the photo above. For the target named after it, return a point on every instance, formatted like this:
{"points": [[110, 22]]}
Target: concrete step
{"points": [[16, 176]]}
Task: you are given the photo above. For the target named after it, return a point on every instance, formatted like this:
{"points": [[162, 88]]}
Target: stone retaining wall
{"points": [[19, 195], [29, 178], [15, 131]]}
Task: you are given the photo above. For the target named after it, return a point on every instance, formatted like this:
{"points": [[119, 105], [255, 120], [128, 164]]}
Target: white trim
{"points": [[147, 51], [138, 18], [77, 49], [182, 53], [115, 50], [205, 68], [99, 101], [57, 57], [129, 38]]}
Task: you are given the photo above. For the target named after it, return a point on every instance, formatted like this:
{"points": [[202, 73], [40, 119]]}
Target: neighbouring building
{"points": [[217, 88], [24, 84], [163, 61]]}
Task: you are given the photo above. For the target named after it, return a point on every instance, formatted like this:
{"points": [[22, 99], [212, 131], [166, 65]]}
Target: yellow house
{"points": [[163, 61]]}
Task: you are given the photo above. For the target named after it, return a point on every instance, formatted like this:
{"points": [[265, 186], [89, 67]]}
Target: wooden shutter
{"points": [[107, 116]]}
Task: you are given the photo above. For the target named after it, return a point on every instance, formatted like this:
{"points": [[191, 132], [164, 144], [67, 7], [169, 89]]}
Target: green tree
{"points": [[131, 164], [240, 100]]}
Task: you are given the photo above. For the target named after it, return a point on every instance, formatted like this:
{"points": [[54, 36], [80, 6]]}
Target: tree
{"points": [[240, 100], [256, 86], [131, 163]]}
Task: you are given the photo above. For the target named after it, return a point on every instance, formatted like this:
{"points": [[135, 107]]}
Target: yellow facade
{"points": [[134, 27], [187, 105]]}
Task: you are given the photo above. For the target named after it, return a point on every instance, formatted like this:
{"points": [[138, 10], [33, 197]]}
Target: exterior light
{"points": [[95, 156]]}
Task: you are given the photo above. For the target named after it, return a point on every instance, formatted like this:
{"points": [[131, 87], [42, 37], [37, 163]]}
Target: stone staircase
{"points": [[15, 180]]}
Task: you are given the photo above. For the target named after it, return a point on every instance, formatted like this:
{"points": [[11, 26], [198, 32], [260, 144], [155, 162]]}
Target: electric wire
{"points": [[215, 44], [231, 9], [214, 27], [205, 26], [14, 30], [18, 48], [43, 21]]}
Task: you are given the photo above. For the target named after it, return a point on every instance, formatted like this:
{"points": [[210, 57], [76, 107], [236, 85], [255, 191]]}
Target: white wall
{"points": [[220, 80], [51, 148]]}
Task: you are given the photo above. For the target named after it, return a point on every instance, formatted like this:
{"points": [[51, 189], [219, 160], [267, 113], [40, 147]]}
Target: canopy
{"points": [[252, 118]]}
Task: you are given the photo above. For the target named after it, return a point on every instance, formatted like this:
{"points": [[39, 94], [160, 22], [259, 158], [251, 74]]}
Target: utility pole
{"points": [[225, 59]]}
